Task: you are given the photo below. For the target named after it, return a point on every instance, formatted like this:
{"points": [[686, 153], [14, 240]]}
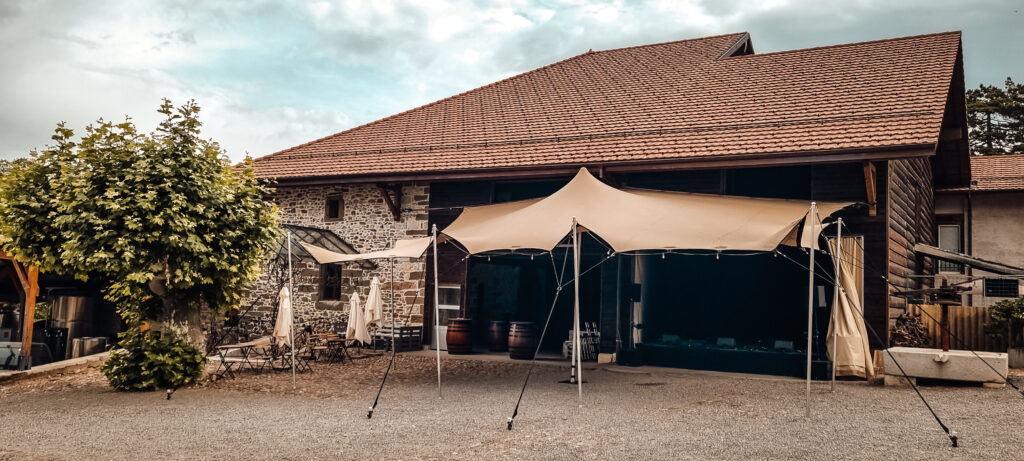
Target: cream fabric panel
{"points": [[850, 350]]}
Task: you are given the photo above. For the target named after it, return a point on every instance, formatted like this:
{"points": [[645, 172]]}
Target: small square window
{"points": [[334, 209], [1002, 288]]}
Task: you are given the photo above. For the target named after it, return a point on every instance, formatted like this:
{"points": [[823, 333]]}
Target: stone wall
{"points": [[367, 225]]}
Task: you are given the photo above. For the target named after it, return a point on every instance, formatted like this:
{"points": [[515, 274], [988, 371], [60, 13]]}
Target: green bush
{"points": [[1007, 320], [143, 362]]}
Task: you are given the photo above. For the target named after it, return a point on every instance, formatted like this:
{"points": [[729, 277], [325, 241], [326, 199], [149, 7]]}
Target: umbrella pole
{"points": [[812, 214], [291, 296], [437, 314], [576, 309], [835, 300], [392, 260]]}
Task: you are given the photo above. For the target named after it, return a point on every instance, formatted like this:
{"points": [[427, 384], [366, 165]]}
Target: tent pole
{"points": [[291, 299], [812, 215], [437, 313], [393, 331], [835, 300], [576, 308]]}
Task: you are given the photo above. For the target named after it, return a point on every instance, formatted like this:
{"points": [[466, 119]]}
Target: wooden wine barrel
{"points": [[460, 336], [522, 340], [497, 336]]}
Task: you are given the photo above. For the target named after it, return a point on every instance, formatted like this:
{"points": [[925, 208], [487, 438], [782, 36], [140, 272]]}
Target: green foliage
{"points": [[1007, 321], [995, 117], [163, 216], [143, 362]]}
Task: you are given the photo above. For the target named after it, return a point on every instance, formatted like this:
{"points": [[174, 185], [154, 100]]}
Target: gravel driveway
{"points": [[627, 413]]}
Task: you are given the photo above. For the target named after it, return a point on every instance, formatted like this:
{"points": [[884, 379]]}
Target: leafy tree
{"points": [[162, 216], [995, 118], [1007, 321]]}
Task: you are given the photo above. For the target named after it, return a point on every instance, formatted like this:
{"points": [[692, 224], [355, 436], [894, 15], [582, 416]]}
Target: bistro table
{"points": [[234, 357]]}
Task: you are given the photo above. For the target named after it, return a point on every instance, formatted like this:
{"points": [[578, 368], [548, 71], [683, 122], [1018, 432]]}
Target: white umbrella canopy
{"points": [[283, 325], [374, 307]]}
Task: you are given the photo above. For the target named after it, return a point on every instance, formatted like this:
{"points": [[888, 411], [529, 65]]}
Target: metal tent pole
{"points": [[812, 215], [291, 306], [437, 314], [393, 324], [576, 308], [835, 300]]}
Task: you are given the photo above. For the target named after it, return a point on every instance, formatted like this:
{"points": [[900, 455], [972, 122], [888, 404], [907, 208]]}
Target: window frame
{"points": [[326, 278], [327, 208]]}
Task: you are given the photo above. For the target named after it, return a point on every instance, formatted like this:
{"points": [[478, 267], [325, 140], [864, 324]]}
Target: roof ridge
{"points": [[843, 45], [522, 74], [668, 42]]}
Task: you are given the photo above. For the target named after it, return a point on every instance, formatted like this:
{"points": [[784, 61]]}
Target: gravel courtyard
{"points": [[627, 413]]}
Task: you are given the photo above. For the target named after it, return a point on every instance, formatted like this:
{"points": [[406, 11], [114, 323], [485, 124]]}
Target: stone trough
{"points": [[954, 365]]}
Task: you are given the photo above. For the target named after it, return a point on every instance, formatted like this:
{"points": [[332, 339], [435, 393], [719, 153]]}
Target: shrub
{"points": [[144, 362], [1007, 320]]}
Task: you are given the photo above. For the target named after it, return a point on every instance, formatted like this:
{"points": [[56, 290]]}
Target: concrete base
{"points": [[891, 380], [952, 365]]}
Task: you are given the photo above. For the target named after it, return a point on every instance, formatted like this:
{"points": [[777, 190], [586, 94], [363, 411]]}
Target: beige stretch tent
{"points": [[627, 220], [635, 219]]}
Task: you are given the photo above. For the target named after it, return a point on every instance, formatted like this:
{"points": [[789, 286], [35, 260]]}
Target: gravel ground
{"points": [[626, 414]]}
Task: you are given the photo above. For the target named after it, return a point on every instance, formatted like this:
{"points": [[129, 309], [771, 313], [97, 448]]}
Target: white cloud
{"points": [[273, 74]]}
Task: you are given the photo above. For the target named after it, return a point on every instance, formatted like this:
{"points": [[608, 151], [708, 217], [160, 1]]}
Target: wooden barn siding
{"points": [[845, 182], [911, 220]]}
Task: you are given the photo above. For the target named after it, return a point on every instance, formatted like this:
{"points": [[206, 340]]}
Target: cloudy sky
{"points": [[273, 74]]}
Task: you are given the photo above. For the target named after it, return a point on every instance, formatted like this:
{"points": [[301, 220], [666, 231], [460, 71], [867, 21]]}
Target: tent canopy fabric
{"points": [[850, 349], [635, 219], [407, 248]]}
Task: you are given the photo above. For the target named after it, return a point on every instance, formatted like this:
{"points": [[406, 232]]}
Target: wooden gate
{"points": [[965, 322]]}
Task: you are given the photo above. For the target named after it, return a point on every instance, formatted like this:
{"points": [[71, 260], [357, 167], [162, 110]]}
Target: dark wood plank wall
{"points": [[845, 182], [911, 220]]}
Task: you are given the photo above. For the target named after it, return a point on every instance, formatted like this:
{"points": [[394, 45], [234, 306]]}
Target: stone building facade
{"points": [[366, 223]]}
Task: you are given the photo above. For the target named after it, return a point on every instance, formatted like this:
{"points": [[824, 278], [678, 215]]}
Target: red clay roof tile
{"points": [[665, 101], [997, 173]]}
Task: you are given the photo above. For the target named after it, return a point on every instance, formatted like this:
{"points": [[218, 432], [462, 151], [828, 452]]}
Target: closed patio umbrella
{"points": [[356, 321], [374, 304], [283, 325]]}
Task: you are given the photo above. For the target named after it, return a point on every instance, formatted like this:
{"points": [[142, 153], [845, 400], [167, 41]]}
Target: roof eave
{"points": [[793, 158]]}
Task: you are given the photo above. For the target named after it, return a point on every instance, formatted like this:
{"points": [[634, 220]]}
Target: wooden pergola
{"points": [[26, 282]]}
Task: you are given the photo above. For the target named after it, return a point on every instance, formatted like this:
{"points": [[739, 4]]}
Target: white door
{"points": [[449, 300]]}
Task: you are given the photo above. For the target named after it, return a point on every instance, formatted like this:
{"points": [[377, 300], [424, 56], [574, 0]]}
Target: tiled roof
{"points": [[997, 173], [676, 100]]}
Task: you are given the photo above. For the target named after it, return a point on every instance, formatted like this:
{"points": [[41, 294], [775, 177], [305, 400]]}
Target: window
{"points": [[1002, 288], [334, 209], [330, 286], [949, 239], [449, 296]]}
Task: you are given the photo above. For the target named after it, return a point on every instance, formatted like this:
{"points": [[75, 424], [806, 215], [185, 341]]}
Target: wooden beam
{"points": [[392, 203], [22, 276], [960, 258], [29, 319], [871, 188]]}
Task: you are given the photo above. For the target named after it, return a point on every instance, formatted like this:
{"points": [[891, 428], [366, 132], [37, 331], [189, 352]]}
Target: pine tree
{"points": [[995, 118]]}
